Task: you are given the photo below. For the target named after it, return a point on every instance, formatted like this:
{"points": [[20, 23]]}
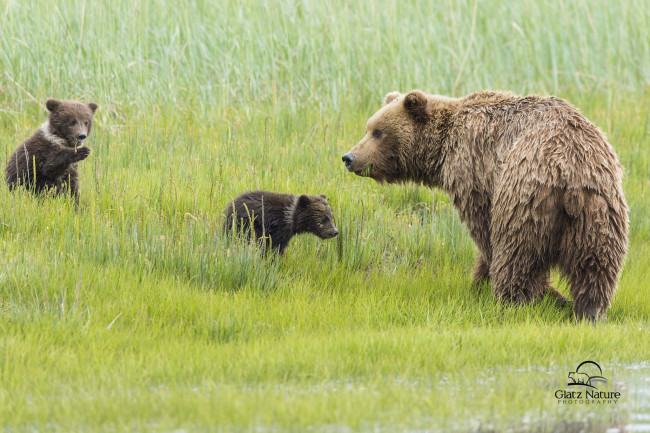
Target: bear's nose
{"points": [[81, 136], [335, 233], [348, 158]]}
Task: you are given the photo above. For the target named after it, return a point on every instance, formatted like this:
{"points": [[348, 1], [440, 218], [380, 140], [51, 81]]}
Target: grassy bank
{"points": [[134, 314]]}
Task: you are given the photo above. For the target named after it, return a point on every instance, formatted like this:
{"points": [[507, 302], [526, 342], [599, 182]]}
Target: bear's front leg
{"points": [[477, 219], [481, 271], [57, 163]]}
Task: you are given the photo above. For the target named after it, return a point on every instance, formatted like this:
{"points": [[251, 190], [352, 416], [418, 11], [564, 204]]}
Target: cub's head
{"points": [[70, 120], [384, 153], [313, 215]]}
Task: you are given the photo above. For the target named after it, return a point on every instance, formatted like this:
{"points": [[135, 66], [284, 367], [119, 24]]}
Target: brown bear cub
{"points": [[537, 184], [47, 161], [279, 217]]}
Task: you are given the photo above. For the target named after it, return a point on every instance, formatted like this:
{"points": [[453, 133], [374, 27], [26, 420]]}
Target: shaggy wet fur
{"points": [[46, 161], [279, 217], [536, 183]]}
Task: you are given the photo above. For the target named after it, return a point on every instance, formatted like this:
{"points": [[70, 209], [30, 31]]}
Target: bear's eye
{"points": [[86, 123], [73, 123], [324, 219], [376, 133]]}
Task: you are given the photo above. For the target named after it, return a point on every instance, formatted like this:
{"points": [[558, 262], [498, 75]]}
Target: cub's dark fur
{"points": [[46, 161], [279, 217]]}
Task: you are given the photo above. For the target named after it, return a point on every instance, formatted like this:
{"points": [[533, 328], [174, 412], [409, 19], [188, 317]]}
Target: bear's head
{"points": [[70, 120], [401, 140], [314, 215]]}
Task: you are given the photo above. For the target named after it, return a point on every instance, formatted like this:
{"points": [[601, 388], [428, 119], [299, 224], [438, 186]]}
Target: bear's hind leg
{"points": [[592, 291], [519, 277], [593, 247], [482, 276], [525, 224]]}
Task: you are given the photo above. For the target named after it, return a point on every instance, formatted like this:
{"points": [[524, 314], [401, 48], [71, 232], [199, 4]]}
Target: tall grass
{"points": [[134, 314], [202, 58]]}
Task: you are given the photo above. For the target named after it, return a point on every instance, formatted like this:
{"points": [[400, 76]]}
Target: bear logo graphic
{"points": [[581, 378]]}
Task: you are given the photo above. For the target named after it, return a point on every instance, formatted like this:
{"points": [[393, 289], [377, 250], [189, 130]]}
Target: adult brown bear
{"points": [[536, 183]]}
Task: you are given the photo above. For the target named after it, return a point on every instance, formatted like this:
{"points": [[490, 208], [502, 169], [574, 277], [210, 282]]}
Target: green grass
{"points": [[133, 314]]}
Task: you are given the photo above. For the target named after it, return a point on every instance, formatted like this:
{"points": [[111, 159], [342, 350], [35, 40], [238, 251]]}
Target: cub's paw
{"points": [[81, 153]]}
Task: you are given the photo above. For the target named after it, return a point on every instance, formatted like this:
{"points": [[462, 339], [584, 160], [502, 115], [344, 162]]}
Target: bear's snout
{"points": [[329, 233], [348, 158], [82, 136]]}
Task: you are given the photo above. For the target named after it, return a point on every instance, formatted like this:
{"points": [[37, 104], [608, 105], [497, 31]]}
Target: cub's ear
{"points": [[93, 107], [52, 104], [391, 97], [416, 104], [303, 201], [323, 196]]}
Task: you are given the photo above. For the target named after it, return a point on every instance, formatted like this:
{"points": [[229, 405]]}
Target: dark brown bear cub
{"points": [[46, 161], [279, 217]]}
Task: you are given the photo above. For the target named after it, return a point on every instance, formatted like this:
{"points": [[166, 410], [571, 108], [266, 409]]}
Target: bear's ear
{"points": [[51, 104], [323, 196], [303, 201], [93, 107], [416, 104], [391, 97]]}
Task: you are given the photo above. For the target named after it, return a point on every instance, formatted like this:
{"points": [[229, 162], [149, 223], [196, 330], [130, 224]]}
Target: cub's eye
{"points": [[73, 123], [86, 123], [377, 133], [324, 219]]}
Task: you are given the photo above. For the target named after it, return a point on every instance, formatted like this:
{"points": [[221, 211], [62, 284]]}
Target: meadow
{"points": [[134, 314]]}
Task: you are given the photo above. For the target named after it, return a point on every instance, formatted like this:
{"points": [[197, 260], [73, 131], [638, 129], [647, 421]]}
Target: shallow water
{"points": [[548, 414], [509, 401]]}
